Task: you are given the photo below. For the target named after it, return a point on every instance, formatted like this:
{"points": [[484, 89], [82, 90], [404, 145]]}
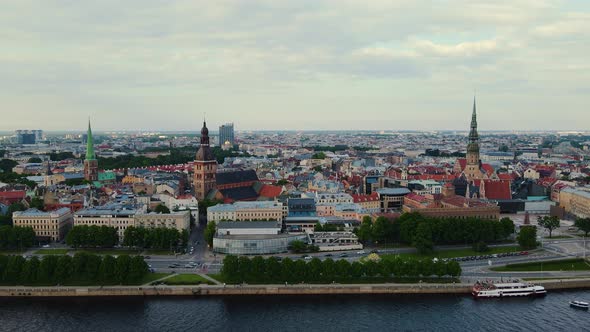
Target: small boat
{"points": [[579, 305]]}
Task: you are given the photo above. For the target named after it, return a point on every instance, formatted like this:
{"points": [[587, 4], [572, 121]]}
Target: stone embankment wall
{"points": [[458, 289]]}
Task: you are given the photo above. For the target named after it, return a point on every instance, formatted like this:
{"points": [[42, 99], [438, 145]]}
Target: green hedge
{"points": [[81, 269], [270, 270]]}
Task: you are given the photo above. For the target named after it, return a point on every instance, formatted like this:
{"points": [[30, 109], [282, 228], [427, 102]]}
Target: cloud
{"points": [[268, 56]]}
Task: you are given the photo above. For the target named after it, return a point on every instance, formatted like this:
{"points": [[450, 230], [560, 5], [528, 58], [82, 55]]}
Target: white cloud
{"points": [[267, 56]]}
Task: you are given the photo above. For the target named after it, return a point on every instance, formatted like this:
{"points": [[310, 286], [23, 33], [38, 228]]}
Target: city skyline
{"points": [[310, 65]]}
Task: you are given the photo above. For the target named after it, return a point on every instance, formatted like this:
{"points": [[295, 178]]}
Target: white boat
{"points": [[579, 305], [488, 289]]}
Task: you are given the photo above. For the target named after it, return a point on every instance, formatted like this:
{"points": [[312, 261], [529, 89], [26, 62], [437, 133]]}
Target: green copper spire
{"points": [[90, 145]]}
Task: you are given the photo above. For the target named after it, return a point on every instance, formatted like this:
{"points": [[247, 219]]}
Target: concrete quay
{"points": [[299, 289]]}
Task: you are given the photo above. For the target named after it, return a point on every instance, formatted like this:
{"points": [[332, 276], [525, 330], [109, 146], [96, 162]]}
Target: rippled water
{"points": [[309, 313]]}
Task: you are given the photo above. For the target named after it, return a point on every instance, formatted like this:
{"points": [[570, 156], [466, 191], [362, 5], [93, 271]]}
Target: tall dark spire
{"points": [[473, 145], [473, 136]]}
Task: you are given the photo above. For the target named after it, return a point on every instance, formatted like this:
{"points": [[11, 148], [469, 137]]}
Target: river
{"points": [[296, 313]]}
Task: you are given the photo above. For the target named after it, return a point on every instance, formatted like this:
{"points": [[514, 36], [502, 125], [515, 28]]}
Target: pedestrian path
{"points": [[210, 279], [164, 278]]}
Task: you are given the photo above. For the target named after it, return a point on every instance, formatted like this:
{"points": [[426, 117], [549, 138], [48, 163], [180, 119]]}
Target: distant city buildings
{"points": [[226, 135], [28, 136]]}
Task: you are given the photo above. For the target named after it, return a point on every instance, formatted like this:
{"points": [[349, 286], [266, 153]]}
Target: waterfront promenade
{"points": [[297, 289]]}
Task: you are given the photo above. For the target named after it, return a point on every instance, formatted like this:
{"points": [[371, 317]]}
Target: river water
{"points": [[296, 313]]}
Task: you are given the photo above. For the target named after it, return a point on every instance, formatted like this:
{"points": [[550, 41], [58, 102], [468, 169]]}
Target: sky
{"points": [[295, 65]]}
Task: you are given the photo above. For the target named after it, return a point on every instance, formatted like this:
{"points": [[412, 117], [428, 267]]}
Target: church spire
{"points": [[90, 144], [473, 135]]}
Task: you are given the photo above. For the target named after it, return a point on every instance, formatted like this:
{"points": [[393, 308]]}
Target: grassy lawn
{"points": [[374, 280], [451, 253], [152, 277], [554, 278], [187, 279], [52, 251], [577, 264], [11, 252]]}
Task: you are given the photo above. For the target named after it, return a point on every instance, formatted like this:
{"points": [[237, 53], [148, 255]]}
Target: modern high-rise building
{"points": [[205, 167], [226, 134], [28, 136], [90, 162]]}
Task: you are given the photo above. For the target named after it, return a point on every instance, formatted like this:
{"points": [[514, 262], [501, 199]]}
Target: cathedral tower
{"points": [[205, 167]]}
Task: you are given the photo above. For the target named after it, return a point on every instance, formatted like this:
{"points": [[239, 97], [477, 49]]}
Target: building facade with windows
{"points": [[52, 225]]}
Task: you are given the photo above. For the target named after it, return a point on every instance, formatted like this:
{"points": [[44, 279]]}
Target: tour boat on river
{"points": [[489, 289]]}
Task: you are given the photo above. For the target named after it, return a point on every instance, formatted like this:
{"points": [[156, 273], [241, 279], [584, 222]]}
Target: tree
{"points": [[37, 203], [210, 233], [230, 269], [137, 269], [527, 237], [63, 268], [122, 268], [6, 165], [583, 224], [548, 222], [319, 155], [30, 271], [162, 209], [35, 160], [298, 246], [282, 182], [365, 231], [106, 270], [423, 239], [507, 226]]}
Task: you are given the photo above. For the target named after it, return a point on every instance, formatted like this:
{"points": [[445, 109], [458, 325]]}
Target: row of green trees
{"points": [[18, 238], [81, 269], [92, 236], [271, 270], [155, 238], [424, 232]]}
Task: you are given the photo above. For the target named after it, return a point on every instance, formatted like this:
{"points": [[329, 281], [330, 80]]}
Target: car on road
{"points": [[328, 255], [374, 251], [45, 246], [172, 266], [188, 266], [361, 252], [343, 255], [147, 257], [307, 257]]}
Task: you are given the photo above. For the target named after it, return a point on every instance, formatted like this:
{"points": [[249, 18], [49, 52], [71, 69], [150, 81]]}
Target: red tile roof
{"points": [[271, 191], [462, 162], [497, 189], [365, 198], [505, 176]]}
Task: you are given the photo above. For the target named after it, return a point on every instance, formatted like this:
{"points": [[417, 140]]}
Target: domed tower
{"points": [[205, 167], [473, 165], [90, 162]]}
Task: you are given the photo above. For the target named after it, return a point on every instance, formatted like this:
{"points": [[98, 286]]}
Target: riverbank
{"points": [[299, 289]]}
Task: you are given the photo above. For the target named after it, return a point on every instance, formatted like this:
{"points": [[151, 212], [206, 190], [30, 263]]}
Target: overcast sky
{"points": [[342, 64]]}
